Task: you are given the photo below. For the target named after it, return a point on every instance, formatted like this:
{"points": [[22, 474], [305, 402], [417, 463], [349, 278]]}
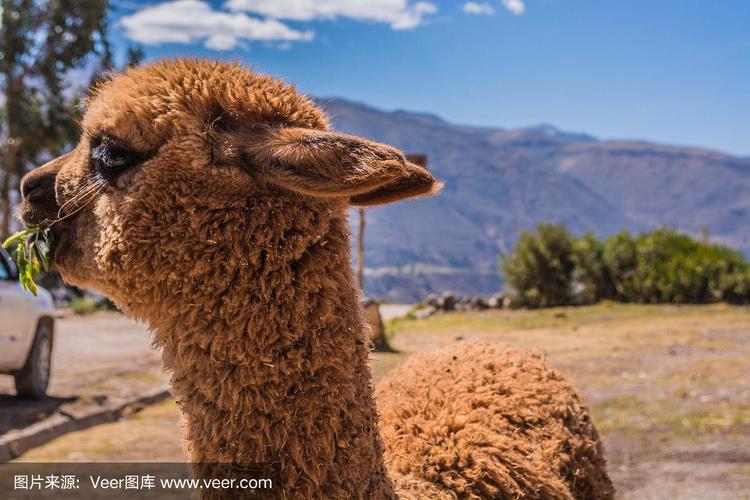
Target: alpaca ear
{"points": [[329, 164]]}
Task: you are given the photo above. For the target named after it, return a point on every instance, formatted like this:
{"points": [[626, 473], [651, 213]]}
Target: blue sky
{"points": [[674, 71]]}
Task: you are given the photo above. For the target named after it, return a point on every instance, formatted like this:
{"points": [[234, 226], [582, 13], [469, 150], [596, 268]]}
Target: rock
{"points": [[463, 305], [496, 301], [447, 301], [432, 300], [424, 312], [479, 303]]}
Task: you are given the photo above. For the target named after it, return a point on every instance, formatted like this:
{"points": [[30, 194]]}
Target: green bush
{"points": [[675, 268], [88, 305], [736, 287], [540, 267], [592, 280], [620, 254], [552, 267]]}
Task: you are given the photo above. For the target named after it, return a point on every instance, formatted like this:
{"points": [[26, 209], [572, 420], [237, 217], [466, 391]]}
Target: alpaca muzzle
{"points": [[39, 206]]}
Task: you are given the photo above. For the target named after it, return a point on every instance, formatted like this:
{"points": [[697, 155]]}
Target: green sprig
{"points": [[30, 249]]}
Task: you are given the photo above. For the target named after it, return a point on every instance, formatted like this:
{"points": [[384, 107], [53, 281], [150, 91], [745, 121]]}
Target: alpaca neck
{"points": [[270, 361]]}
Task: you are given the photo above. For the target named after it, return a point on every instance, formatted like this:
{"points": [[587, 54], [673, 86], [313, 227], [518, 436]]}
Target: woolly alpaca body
{"points": [[211, 203], [484, 421]]}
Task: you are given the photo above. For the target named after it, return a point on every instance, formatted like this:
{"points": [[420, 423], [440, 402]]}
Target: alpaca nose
{"points": [[38, 192], [37, 183]]}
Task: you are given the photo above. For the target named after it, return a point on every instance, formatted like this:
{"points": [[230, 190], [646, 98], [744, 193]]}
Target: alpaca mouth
{"points": [[53, 243], [57, 244], [34, 217], [56, 237]]}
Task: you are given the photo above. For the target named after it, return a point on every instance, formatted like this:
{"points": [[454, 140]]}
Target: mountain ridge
{"points": [[500, 181]]}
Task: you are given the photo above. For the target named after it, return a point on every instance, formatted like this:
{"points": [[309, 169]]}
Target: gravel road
{"points": [[95, 358]]}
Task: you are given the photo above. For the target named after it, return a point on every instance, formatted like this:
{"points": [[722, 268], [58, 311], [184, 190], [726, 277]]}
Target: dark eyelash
{"points": [[111, 157]]}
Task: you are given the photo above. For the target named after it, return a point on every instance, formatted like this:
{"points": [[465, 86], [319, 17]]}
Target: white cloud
{"points": [[189, 21], [478, 8], [517, 7], [400, 14]]}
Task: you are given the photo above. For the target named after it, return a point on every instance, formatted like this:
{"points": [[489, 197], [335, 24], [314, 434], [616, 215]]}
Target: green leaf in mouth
{"points": [[30, 249]]}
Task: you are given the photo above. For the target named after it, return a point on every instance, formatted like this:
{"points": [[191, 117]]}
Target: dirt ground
{"points": [[668, 387], [95, 358]]}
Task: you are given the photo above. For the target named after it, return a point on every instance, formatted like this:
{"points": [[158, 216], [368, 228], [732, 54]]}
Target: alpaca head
{"points": [[177, 154]]}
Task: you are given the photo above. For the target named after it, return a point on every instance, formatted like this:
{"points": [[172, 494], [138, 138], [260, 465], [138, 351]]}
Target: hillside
{"points": [[498, 182]]}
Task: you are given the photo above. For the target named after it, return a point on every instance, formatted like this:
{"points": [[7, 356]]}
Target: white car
{"points": [[27, 328]]}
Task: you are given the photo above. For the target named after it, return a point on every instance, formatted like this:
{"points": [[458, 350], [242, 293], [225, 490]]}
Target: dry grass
{"points": [[150, 435], [668, 387]]}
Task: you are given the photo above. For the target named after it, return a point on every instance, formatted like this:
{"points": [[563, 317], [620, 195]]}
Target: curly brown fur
{"points": [[486, 421], [229, 237]]}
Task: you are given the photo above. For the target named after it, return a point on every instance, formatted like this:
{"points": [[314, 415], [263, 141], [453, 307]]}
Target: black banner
{"points": [[134, 480]]}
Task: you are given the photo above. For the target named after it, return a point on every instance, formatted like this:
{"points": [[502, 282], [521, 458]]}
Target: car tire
{"points": [[32, 380]]}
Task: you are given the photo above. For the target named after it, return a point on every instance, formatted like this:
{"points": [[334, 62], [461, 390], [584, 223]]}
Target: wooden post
{"points": [[372, 308], [361, 251]]}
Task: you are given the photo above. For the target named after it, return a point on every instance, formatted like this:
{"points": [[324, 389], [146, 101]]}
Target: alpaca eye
{"points": [[111, 159]]}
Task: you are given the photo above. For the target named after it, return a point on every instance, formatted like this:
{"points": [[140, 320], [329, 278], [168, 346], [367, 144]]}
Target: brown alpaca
{"points": [[210, 202]]}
